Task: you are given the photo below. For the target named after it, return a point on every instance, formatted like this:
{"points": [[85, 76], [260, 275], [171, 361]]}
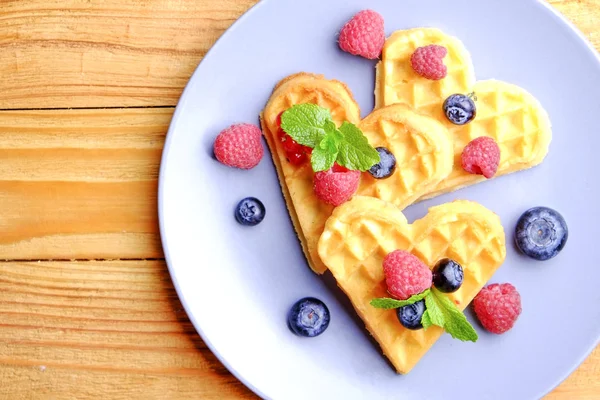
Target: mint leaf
{"points": [[307, 123], [434, 312], [334, 132], [325, 154], [312, 126], [441, 311], [388, 304], [456, 323], [355, 151], [426, 319]]}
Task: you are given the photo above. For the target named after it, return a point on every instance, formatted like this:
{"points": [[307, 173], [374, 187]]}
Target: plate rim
{"points": [[161, 193], [160, 205]]}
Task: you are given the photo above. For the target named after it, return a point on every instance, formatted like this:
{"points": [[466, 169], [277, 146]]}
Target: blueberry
{"points": [[308, 317], [410, 316], [250, 211], [541, 233], [447, 275], [386, 166], [460, 109]]}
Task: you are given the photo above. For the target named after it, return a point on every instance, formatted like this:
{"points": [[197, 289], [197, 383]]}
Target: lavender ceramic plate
{"points": [[238, 283]]}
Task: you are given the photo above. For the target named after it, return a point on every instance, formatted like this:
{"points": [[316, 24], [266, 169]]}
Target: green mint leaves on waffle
{"points": [[388, 303], [441, 311], [312, 126]]}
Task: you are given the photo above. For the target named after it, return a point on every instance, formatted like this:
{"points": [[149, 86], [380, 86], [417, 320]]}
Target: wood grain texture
{"points": [[98, 330], [81, 184], [81, 53]]}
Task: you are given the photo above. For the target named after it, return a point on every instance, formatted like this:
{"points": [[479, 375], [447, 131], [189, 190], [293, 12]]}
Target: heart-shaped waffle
{"points": [[420, 144], [361, 232], [505, 112]]}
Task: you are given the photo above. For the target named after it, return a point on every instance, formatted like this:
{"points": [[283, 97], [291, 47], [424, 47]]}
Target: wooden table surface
{"points": [[87, 308]]}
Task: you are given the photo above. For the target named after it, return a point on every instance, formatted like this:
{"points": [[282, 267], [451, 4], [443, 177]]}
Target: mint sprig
{"points": [[307, 124], [441, 311], [355, 150], [312, 126], [325, 154], [388, 303]]}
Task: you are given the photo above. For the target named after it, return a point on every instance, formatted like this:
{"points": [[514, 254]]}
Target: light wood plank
{"points": [[87, 180], [112, 329], [79, 53]]}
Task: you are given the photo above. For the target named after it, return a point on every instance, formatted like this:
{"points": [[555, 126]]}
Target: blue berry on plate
{"points": [[410, 316], [308, 317], [447, 275], [386, 166], [250, 211], [541, 233], [460, 109]]}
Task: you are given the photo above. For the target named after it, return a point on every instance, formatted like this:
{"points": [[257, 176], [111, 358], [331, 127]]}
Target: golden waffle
{"points": [[420, 144], [505, 112], [361, 232]]}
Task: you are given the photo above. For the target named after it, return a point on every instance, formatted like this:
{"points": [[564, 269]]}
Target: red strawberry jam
{"points": [[295, 152]]}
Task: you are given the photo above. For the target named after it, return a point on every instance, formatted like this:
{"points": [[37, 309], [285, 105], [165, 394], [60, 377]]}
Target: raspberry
{"points": [[363, 35], [497, 307], [336, 185], [405, 274], [428, 62], [481, 156], [239, 146]]}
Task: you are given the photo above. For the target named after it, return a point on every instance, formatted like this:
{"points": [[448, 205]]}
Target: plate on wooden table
{"points": [[237, 284]]}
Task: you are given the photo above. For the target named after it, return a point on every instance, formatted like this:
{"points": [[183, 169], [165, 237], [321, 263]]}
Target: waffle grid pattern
{"points": [[424, 157], [360, 234], [505, 112], [402, 85]]}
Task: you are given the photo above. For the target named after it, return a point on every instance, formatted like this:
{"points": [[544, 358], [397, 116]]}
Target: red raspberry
{"points": [[481, 156], [405, 274], [363, 35], [336, 185], [497, 306], [239, 146], [428, 62]]}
